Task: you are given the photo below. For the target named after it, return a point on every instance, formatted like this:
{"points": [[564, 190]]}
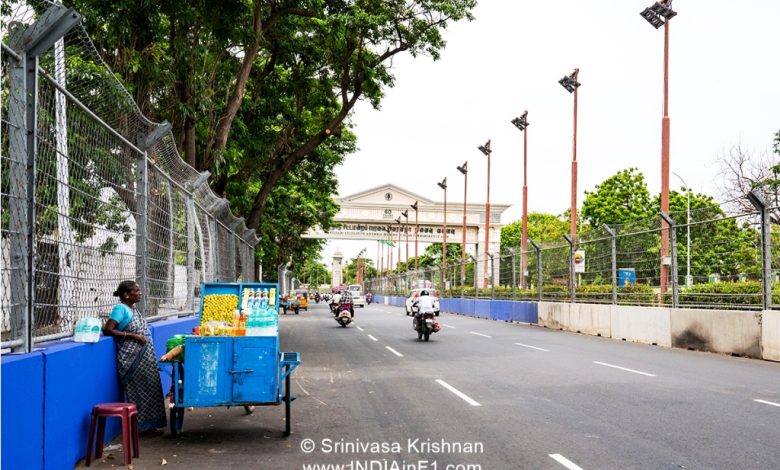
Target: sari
{"points": [[139, 376]]}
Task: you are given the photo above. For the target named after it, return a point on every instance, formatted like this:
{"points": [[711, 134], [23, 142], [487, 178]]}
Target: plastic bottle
{"points": [[264, 298]]}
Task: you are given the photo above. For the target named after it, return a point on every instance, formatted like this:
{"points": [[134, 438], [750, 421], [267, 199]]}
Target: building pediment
{"points": [[387, 194]]}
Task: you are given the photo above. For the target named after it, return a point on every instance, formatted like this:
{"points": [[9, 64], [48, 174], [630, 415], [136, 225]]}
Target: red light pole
{"points": [[464, 170], [443, 185], [571, 85], [660, 14], [485, 149], [416, 231], [522, 124]]}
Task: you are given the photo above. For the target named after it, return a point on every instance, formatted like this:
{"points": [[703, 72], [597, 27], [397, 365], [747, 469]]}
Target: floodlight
{"points": [[659, 13], [463, 168], [443, 184], [414, 206], [485, 148], [405, 213], [570, 82], [521, 122]]}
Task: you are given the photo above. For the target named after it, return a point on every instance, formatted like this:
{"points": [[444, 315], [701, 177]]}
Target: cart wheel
{"points": [[177, 420], [249, 409]]}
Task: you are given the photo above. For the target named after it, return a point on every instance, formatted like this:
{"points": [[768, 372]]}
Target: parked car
{"points": [[415, 293], [358, 299]]}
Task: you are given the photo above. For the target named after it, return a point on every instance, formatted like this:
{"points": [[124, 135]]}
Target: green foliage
{"points": [[620, 199], [541, 228]]}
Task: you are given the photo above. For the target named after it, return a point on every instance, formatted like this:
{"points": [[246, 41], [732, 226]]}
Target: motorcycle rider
{"points": [[424, 304], [345, 303]]}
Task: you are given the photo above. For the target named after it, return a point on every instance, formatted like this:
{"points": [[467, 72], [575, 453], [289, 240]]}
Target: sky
{"points": [[724, 91]]}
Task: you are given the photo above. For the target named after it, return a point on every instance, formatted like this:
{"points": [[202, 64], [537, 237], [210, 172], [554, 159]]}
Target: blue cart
{"points": [[231, 370]]}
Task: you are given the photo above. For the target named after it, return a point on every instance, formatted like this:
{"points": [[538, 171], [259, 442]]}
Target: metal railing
{"points": [[714, 260], [92, 192]]}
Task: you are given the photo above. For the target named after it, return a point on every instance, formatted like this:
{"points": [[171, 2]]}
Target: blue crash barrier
{"points": [[48, 395]]}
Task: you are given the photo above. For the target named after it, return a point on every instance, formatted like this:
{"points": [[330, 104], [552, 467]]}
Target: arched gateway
{"points": [[367, 215]]}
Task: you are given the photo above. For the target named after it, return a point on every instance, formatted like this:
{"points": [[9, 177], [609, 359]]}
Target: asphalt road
{"points": [[488, 395]]}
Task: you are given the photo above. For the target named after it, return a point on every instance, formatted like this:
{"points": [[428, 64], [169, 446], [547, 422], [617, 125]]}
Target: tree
{"points": [[620, 199], [541, 228], [743, 171]]}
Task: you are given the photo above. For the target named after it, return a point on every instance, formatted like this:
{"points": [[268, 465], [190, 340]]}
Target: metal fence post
{"points": [[766, 248], [613, 250], [538, 250], [492, 276], [572, 285], [17, 202], [141, 193], [514, 280], [189, 204], [673, 241]]}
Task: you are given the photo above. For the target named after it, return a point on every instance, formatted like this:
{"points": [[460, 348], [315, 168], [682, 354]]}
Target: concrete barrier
{"points": [[525, 312], [590, 319], [21, 398], [723, 331], [553, 315], [649, 325], [770, 335]]}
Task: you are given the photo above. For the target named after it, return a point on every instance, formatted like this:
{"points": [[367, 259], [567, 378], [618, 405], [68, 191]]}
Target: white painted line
{"points": [[532, 347], [565, 462], [448, 326], [359, 328], [479, 334], [394, 351], [766, 402], [623, 368], [457, 392], [373, 338]]}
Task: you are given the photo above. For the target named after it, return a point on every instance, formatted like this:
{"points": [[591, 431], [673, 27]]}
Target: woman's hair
{"points": [[124, 288]]}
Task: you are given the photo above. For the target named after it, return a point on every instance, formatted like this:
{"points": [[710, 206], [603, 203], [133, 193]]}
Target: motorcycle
{"points": [[368, 298], [424, 323], [344, 318]]}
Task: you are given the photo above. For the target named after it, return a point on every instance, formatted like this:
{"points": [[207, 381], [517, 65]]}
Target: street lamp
{"points": [[465, 172], [688, 279], [416, 231], [571, 85], [443, 185], [522, 123], [406, 230], [660, 14], [485, 149]]}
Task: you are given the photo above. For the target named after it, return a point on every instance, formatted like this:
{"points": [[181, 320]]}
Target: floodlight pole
{"points": [[464, 170], [406, 231], [487, 151], [443, 185], [665, 130], [416, 232], [573, 223]]}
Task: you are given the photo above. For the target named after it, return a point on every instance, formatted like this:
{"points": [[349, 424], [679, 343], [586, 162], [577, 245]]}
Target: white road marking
{"points": [[359, 328], [565, 462], [303, 389], [448, 326], [623, 368], [766, 402], [373, 338], [394, 351], [532, 347], [457, 392], [479, 334]]}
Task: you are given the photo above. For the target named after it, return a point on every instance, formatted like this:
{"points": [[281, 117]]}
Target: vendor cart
{"points": [[229, 371]]}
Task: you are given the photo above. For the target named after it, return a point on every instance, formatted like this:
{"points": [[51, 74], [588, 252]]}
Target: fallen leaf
{"points": [[164, 462]]}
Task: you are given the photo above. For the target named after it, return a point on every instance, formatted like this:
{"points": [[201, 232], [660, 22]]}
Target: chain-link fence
{"points": [[92, 192], [711, 260]]}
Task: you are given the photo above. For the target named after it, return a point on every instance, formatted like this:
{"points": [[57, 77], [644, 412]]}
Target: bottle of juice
{"points": [[241, 325]]}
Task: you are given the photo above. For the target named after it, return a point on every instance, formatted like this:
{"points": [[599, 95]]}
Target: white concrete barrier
{"points": [[554, 315], [591, 319], [723, 331], [649, 325], [770, 335]]}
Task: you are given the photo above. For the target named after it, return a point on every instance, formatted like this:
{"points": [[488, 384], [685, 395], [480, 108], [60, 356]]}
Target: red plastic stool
{"points": [[129, 414]]}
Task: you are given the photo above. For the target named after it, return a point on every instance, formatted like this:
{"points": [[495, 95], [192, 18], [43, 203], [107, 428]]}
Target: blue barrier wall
{"points": [[48, 395], [21, 398]]}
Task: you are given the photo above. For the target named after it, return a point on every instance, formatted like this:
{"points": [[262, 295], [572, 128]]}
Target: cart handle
{"points": [[245, 371]]}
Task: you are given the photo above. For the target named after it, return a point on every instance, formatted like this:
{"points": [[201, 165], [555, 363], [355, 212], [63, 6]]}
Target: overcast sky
{"points": [[724, 91]]}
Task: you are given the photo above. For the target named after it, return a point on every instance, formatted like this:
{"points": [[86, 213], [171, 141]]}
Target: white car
{"points": [[412, 298], [358, 299]]}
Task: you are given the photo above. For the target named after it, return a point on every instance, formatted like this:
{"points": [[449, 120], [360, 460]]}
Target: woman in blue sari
{"points": [[135, 358]]}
